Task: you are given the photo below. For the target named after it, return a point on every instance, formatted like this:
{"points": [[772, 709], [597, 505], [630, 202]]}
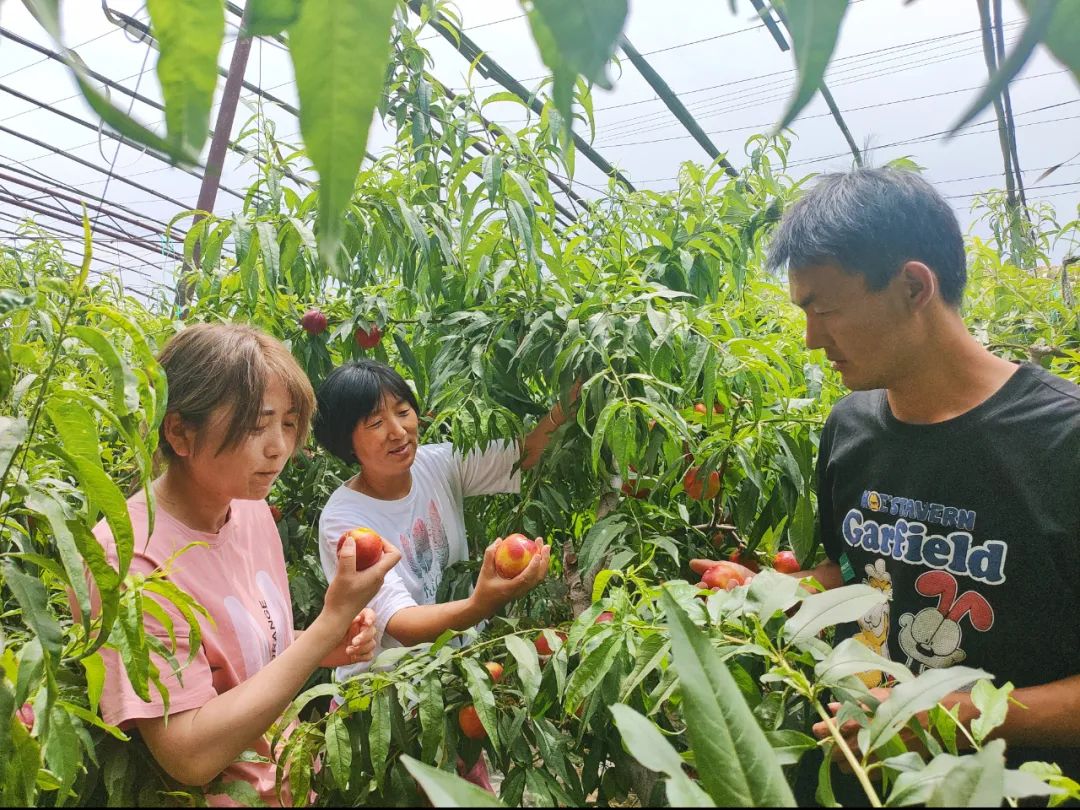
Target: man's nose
{"points": [[816, 334]]}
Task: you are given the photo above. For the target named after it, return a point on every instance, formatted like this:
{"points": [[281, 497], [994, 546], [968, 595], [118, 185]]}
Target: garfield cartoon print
{"points": [[932, 637], [874, 624]]}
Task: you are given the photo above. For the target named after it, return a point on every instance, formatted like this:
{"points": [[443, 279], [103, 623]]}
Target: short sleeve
{"points": [[491, 469], [826, 515], [121, 705], [392, 596]]}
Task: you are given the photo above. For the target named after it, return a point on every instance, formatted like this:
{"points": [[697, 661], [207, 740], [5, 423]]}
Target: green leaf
{"points": [[851, 657], [479, 684], [445, 789], [107, 496], [33, 601], [47, 13], [993, 705], [908, 699], [333, 39], [814, 29], [575, 39], [271, 252], [379, 733], [789, 745], [269, 17], [13, 432], [528, 665], [1041, 16], [591, 671], [94, 667], [189, 35], [338, 749], [62, 750], [975, 781], [828, 608], [649, 747], [124, 393], [649, 655], [432, 715], [1062, 36], [733, 756], [70, 557]]}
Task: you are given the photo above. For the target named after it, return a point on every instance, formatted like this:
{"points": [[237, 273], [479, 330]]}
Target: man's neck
{"points": [[178, 495], [954, 375]]}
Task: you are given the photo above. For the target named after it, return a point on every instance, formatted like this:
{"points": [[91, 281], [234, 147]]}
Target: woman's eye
{"points": [[374, 425], [405, 412]]}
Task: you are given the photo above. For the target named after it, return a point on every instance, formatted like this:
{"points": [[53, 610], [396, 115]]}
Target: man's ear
{"points": [[919, 284], [179, 435]]}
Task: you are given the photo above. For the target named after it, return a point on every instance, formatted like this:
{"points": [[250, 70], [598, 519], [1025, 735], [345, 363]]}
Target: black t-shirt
{"points": [[972, 526]]}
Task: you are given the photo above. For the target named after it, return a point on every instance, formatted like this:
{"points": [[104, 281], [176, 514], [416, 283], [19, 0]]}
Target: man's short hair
{"points": [[350, 394], [870, 222]]}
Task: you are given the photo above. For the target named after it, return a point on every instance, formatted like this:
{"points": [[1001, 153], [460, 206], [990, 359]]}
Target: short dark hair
{"points": [[350, 394], [870, 222]]}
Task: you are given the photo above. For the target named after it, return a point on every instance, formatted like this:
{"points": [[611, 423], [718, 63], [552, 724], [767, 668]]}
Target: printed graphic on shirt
{"points": [[910, 539], [932, 637], [874, 624], [426, 551], [261, 638], [910, 535]]}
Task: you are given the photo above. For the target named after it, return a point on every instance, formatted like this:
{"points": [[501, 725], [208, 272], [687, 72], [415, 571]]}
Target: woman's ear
{"points": [[919, 284], [179, 435]]}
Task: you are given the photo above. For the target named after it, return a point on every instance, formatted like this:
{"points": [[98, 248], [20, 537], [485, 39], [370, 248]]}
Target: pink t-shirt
{"points": [[240, 578]]}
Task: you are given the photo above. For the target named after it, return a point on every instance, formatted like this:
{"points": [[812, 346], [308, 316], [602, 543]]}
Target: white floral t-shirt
{"points": [[427, 525]]}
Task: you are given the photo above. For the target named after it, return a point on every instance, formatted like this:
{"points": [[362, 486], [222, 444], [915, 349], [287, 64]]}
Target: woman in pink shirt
{"points": [[239, 407]]}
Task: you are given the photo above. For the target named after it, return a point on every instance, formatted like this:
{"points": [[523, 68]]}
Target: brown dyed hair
{"points": [[210, 365]]}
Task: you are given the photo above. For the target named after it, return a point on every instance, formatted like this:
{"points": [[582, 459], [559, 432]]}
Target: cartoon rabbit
{"points": [[933, 635]]}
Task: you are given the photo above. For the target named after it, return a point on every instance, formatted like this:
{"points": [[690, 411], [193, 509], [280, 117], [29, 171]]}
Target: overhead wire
{"points": [[777, 91], [768, 124]]}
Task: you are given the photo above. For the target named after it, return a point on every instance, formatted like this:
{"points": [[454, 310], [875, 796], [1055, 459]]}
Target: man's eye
{"points": [[405, 412], [374, 425]]}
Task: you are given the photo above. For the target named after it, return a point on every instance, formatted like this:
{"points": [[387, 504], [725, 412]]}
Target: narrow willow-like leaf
{"points": [[34, 604], [479, 685], [826, 609], [124, 393], [379, 733], [733, 756], [432, 713], [814, 29], [332, 40], [13, 432], [575, 39], [338, 749], [528, 665], [591, 671], [1040, 18], [649, 747], [445, 789], [908, 699], [108, 497], [189, 35], [269, 17]]}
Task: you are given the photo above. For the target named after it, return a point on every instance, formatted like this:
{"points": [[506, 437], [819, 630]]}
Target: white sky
{"points": [[900, 72]]}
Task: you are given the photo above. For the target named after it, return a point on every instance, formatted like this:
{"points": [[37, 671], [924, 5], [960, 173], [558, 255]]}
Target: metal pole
{"points": [[215, 161]]}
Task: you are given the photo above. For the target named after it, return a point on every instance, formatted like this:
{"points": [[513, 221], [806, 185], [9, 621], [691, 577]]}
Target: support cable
{"points": [[759, 6], [489, 67], [1006, 100], [678, 109]]}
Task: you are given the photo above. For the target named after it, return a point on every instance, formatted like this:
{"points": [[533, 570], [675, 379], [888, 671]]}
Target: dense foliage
{"points": [[494, 304]]}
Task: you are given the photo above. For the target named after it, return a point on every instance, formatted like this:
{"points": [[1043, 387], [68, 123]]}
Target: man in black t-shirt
{"points": [[949, 478]]}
